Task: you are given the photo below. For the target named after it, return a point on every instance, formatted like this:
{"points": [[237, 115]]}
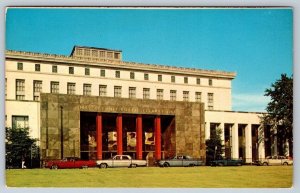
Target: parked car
{"points": [[226, 162], [274, 160], [70, 162], [121, 161], [180, 161]]}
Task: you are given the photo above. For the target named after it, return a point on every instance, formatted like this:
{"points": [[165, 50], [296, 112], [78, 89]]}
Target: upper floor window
{"points": [[160, 94], [71, 88], [95, 53], [173, 95], [118, 91], [54, 87], [20, 121], [20, 89], [146, 93], [102, 72], [71, 70], [37, 67], [210, 97], [109, 54], [131, 75], [102, 90], [87, 71], [37, 88], [172, 78], [198, 96], [117, 55], [87, 52], [102, 54], [146, 76], [79, 51], [186, 80], [20, 66], [198, 81], [132, 92], [118, 74], [54, 69], [159, 77], [210, 82], [87, 89], [185, 95]]}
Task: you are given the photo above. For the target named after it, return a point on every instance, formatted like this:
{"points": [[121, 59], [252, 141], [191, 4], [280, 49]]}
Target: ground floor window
{"points": [[20, 121]]}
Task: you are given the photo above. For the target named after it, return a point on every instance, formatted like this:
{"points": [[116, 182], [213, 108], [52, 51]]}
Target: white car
{"points": [[121, 161], [274, 160]]}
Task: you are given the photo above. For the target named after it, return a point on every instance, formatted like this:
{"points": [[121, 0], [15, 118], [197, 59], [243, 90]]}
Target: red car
{"points": [[70, 162]]}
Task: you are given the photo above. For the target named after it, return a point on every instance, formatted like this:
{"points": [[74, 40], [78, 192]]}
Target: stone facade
{"points": [[185, 135]]}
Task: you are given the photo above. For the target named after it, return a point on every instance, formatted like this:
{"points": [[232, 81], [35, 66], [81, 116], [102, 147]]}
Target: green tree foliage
{"points": [[19, 146], [280, 110], [214, 147]]}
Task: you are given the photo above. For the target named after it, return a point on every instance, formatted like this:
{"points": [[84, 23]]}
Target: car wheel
{"points": [[103, 165], [239, 164], [84, 167], [285, 164], [265, 164], [192, 165], [133, 166], [166, 164], [54, 167]]}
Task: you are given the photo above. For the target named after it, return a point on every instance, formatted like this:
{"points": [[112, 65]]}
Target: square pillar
{"points": [[119, 134], [139, 136], [248, 144], [157, 135], [235, 141], [261, 142], [99, 135], [207, 130]]}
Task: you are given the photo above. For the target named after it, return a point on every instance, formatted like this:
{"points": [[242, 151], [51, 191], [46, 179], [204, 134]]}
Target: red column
{"points": [[139, 136], [99, 135], [119, 135], [157, 135]]}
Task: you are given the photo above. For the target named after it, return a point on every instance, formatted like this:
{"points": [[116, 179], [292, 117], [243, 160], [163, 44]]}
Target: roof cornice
{"points": [[11, 54]]}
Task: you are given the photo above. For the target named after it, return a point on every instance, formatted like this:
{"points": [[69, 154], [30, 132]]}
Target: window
{"points": [[71, 88], [109, 54], [159, 77], [79, 51], [102, 73], [87, 71], [146, 76], [87, 52], [198, 81], [71, 70], [132, 92], [94, 53], [20, 66], [186, 80], [37, 67], [54, 87], [20, 89], [20, 121], [102, 90], [160, 94], [185, 95], [87, 89], [210, 82], [146, 93], [102, 54], [118, 74], [117, 55], [172, 78], [198, 96], [173, 95], [37, 88], [54, 69], [131, 75], [118, 91], [210, 97]]}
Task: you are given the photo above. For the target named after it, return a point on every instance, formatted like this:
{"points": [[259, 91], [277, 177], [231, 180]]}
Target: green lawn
{"points": [[197, 177]]}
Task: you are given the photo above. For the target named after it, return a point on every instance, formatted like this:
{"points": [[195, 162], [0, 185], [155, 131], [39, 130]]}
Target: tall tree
{"points": [[214, 147], [280, 110], [19, 146]]}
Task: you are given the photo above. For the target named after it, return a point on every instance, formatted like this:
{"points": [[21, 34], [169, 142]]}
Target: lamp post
{"points": [[61, 134]]}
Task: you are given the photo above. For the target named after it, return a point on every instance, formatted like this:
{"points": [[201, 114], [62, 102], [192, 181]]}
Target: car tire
{"points": [[54, 167], [221, 164], [239, 164], [265, 164], [133, 166], [103, 165], [191, 165], [166, 164], [285, 164], [84, 167]]}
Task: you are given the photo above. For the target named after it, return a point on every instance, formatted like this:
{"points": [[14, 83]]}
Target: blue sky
{"points": [[257, 44]]}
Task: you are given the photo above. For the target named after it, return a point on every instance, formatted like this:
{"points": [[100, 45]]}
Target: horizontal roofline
{"points": [[114, 63], [95, 48]]}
